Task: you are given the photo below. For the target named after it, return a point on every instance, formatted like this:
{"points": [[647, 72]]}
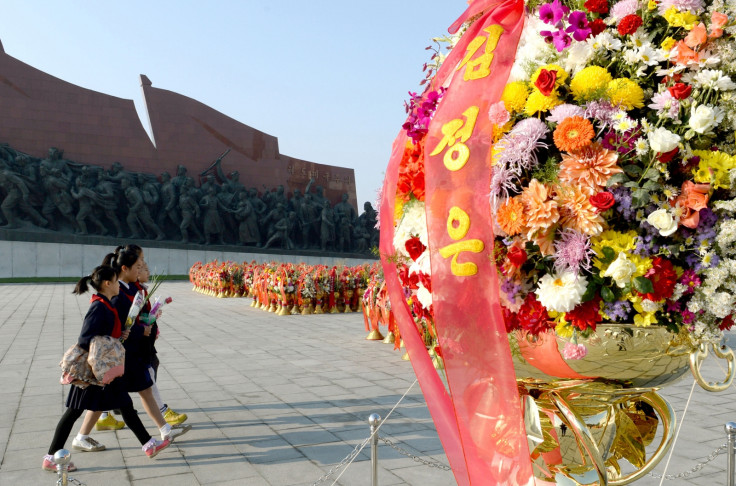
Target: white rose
{"points": [[705, 118], [662, 140], [621, 270], [663, 220]]}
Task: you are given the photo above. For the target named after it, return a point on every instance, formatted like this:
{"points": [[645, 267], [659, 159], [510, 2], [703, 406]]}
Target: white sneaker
{"points": [[177, 431], [87, 445]]}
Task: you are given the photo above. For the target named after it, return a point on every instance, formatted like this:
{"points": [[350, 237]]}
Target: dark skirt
{"points": [[98, 398], [137, 377]]}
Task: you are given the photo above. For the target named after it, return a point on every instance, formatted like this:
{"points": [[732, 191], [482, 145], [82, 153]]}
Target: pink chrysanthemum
{"points": [[559, 113], [518, 147], [503, 180], [624, 8], [694, 6], [572, 252]]}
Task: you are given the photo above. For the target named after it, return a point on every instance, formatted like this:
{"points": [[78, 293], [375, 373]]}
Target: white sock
{"points": [[103, 415], [165, 430], [81, 437]]}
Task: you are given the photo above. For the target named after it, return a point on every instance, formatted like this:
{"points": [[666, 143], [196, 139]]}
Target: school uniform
{"points": [[151, 339], [101, 320], [137, 346]]}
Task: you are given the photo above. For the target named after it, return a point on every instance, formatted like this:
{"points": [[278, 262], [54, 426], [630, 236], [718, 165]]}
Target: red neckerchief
{"points": [[117, 328]]}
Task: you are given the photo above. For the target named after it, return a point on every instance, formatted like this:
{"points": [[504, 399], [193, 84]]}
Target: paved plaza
{"points": [[272, 400]]}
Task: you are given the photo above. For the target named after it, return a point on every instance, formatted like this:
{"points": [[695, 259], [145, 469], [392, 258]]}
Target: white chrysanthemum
{"points": [[561, 292], [726, 237], [605, 41], [650, 306], [642, 147], [577, 56], [413, 223], [532, 50], [424, 296], [713, 78]]}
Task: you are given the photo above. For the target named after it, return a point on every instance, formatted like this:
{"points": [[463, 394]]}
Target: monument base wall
{"points": [[33, 259]]}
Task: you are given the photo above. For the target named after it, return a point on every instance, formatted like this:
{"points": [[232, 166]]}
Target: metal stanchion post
{"points": [[731, 437], [374, 420], [62, 459]]}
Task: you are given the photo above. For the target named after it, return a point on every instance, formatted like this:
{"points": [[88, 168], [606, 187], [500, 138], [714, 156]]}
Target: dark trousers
{"points": [[66, 422]]}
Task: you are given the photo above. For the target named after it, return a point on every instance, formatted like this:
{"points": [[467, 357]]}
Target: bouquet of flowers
{"points": [[613, 183]]}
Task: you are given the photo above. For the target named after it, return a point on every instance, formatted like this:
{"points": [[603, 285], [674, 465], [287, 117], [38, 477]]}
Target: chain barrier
{"points": [[418, 459], [70, 480], [711, 457], [348, 459]]}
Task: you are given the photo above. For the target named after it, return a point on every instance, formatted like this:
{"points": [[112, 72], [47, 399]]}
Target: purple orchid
{"points": [[551, 13], [578, 26]]}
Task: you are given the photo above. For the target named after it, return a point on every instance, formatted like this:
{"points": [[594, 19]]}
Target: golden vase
{"points": [[589, 420]]}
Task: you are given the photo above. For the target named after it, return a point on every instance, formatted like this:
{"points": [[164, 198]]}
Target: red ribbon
{"points": [[480, 423]]}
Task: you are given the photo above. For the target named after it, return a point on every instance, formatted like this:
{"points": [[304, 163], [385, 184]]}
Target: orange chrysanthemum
{"points": [[590, 168], [576, 211], [573, 133], [510, 216], [541, 211]]}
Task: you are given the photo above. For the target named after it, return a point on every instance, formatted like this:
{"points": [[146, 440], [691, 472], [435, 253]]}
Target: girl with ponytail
{"points": [[102, 319]]}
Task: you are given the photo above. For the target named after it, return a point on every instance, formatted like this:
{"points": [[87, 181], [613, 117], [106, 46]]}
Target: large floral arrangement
{"points": [[298, 288], [614, 171]]}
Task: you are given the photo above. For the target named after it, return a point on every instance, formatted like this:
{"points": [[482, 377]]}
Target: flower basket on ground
{"points": [[560, 201]]}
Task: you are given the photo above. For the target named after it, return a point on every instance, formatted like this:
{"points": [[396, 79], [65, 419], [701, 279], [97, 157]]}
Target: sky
{"points": [[328, 78]]}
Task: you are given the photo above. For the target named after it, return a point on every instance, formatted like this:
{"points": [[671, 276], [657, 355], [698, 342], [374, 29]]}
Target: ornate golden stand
{"points": [[585, 416]]}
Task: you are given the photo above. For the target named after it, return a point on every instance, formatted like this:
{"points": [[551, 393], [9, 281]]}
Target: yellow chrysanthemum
{"points": [[713, 168], [619, 242], [680, 19], [499, 132], [514, 96], [589, 83], [538, 103], [625, 94], [398, 210], [651, 5], [668, 44], [561, 74]]}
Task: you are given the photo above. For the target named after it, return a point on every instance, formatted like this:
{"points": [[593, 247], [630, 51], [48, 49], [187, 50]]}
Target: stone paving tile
{"points": [[272, 400]]}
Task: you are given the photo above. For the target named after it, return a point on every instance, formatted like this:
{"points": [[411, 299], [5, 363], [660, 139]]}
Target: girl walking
{"points": [[102, 319]]}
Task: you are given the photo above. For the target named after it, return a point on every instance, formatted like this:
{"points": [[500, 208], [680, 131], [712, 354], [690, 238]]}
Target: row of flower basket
{"points": [[286, 288]]}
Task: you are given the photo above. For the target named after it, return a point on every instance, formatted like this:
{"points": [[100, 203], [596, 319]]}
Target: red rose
{"points": [[629, 24], [602, 201], [680, 91], [545, 82], [413, 280], [517, 256], [597, 26], [414, 247], [403, 273], [596, 6], [667, 156]]}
